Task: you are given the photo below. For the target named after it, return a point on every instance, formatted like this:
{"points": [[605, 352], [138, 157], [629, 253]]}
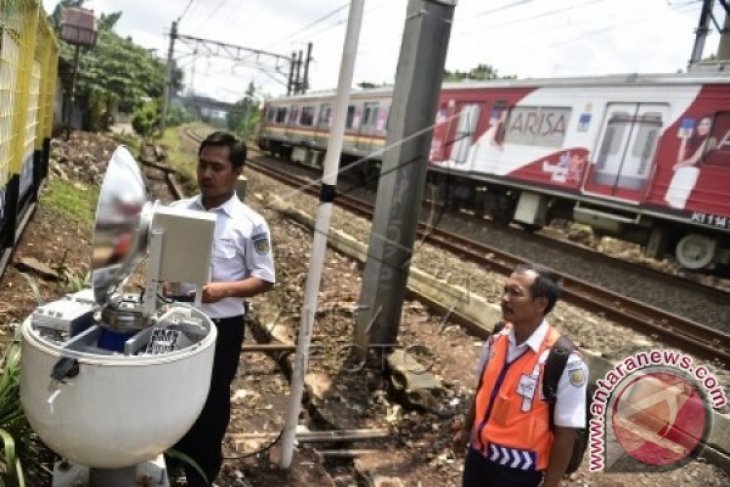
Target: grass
{"points": [[183, 160], [18, 445], [70, 200]]}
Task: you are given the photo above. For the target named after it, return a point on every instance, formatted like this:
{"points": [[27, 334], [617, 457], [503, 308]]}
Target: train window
{"points": [[613, 137], [325, 115], [649, 128], [293, 115], [541, 126], [717, 152], [371, 115], [270, 114], [307, 117], [350, 117], [497, 117], [281, 114], [383, 117]]}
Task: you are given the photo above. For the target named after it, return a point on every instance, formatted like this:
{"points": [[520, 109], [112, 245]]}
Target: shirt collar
{"points": [[535, 340], [229, 207]]}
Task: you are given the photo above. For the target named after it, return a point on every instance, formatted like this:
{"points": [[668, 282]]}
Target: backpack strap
{"points": [[498, 328], [554, 367]]}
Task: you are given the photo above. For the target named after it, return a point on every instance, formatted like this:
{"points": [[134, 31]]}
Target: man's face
{"points": [[517, 303], [216, 174]]}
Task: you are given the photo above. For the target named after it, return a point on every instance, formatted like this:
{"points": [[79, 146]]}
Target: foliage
{"points": [[17, 443], [115, 72], [179, 114], [70, 200], [146, 117], [244, 123], [481, 72]]}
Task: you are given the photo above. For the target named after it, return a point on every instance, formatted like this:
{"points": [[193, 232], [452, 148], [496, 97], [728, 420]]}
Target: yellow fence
{"points": [[28, 72]]}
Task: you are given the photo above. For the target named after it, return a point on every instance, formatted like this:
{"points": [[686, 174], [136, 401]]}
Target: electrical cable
{"points": [[210, 16], [185, 11], [310, 25]]}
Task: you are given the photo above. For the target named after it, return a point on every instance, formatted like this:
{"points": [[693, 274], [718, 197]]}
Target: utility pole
{"points": [[292, 65], [321, 229], [723, 50], [74, 78], [168, 78], [305, 86], [403, 172], [701, 33], [298, 83]]}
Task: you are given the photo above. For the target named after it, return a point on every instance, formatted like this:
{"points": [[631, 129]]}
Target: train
{"points": [[641, 157]]}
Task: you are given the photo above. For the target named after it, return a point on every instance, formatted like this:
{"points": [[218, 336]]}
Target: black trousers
{"points": [[480, 472], [203, 442]]}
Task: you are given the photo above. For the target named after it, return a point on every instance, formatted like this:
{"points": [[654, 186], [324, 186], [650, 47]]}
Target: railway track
{"points": [[674, 330], [671, 329]]}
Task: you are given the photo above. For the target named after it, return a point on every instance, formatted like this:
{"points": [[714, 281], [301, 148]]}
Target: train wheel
{"points": [[695, 251]]}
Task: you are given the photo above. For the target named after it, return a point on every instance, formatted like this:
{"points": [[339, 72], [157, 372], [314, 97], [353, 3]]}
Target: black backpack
{"points": [[554, 366]]}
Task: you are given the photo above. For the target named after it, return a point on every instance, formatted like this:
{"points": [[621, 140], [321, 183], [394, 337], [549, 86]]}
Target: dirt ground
{"points": [[417, 451]]}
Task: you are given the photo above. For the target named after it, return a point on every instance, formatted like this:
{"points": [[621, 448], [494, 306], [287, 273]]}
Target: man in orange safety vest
{"points": [[513, 440]]}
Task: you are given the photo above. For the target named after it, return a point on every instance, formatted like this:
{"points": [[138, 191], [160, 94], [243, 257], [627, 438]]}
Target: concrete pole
{"points": [[701, 33], [298, 82], [723, 50], [403, 172], [321, 228], [293, 63], [305, 85], [74, 78], [167, 87]]}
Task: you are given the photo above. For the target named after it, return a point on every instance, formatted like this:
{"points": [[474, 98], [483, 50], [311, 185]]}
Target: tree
{"points": [[480, 72], [244, 122], [115, 72]]}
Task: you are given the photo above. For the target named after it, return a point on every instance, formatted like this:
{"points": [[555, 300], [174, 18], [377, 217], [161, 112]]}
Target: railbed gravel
{"points": [[588, 330]]}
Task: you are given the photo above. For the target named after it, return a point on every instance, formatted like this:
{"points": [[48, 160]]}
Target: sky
{"points": [[526, 38]]}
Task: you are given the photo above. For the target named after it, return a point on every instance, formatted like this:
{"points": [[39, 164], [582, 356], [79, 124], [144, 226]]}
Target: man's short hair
{"points": [[546, 284], [236, 149]]}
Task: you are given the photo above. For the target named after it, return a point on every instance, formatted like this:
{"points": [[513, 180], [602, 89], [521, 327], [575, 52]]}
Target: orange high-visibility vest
{"points": [[512, 421]]}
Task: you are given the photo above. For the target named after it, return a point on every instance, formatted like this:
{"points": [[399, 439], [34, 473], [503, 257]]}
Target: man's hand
{"points": [[215, 291]]}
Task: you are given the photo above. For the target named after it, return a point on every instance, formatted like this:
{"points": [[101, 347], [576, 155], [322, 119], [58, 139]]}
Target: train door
{"points": [[323, 125], [624, 155], [293, 120], [368, 126], [463, 135]]}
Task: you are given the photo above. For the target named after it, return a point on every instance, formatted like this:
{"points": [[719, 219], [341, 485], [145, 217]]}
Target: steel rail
{"points": [[669, 328]]}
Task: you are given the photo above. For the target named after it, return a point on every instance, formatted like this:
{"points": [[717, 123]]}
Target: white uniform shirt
{"points": [[241, 249], [570, 406]]}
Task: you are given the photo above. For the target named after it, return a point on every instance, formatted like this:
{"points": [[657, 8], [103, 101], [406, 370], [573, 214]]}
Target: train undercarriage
{"points": [[694, 249]]}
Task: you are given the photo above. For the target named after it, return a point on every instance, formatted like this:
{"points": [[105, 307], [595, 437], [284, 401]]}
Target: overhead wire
{"points": [[310, 25], [608, 28], [212, 13], [187, 7], [526, 19]]}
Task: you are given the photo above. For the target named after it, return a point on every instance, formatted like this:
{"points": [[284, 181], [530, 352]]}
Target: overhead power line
{"points": [[212, 13], [185, 11], [310, 25]]}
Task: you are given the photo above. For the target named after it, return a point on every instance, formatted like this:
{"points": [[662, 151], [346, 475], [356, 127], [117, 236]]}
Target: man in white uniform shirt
{"points": [[241, 266]]}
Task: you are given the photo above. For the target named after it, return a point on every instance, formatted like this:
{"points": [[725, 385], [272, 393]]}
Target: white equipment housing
{"points": [[111, 380]]}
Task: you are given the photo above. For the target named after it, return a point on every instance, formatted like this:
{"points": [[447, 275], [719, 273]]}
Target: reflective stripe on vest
{"points": [[512, 422]]}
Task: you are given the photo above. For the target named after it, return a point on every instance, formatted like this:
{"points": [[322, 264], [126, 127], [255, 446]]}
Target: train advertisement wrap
{"points": [[643, 158]]}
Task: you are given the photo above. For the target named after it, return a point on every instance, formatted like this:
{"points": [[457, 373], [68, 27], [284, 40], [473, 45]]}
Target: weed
{"points": [[19, 445], [63, 197]]}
